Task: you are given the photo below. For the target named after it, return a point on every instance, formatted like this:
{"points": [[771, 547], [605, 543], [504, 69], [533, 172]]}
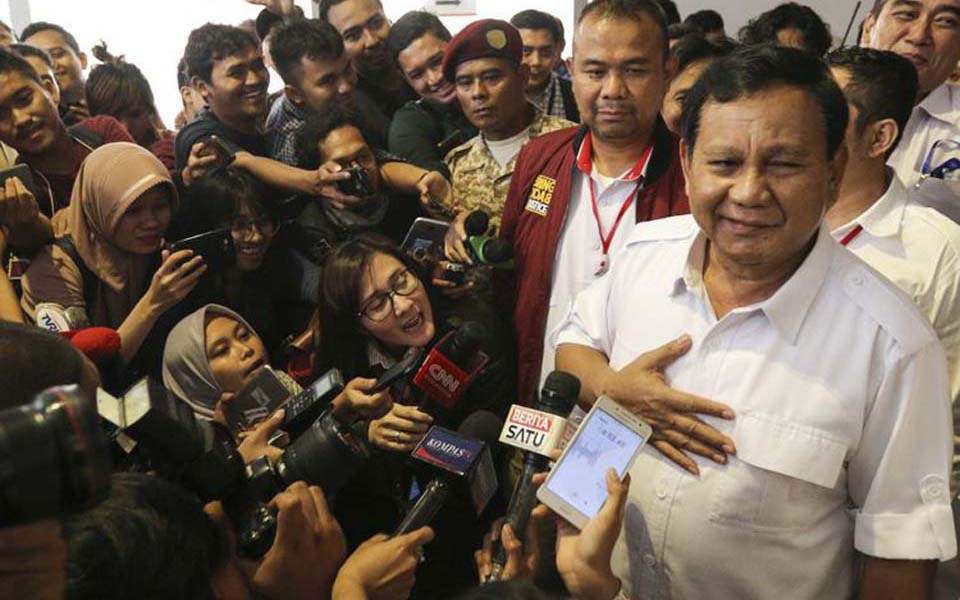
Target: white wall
{"points": [[736, 13]]}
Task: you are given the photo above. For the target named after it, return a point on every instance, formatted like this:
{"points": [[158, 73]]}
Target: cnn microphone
{"points": [[452, 365], [484, 249], [528, 429], [460, 463]]}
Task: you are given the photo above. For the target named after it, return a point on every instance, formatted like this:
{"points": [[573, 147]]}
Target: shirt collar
{"points": [[943, 103], [885, 217], [788, 307], [585, 160]]}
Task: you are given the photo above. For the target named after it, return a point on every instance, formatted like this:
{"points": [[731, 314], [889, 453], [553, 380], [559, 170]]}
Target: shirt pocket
{"points": [[784, 476], [942, 195]]}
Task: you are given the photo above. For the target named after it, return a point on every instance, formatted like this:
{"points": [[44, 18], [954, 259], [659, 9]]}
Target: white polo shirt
{"points": [[579, 250], [937, 117], [843, 424], [918, 249]]}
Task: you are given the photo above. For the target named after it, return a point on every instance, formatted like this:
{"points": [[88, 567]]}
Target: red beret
{"points": [[487, 38]]}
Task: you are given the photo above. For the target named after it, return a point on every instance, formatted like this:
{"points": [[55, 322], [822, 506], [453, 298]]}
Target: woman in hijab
{"points": [[214, 352], [107, 265]]}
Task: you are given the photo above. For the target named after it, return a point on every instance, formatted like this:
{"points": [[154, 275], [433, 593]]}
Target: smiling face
{"points": [[68, 65], [364, 29], [541, 53], [141, 228], [252, 234], [408, 322], [29, 121], [237, 90], [234, 353], [925, 32], [619, 75], [421, 63], [759, 181]]}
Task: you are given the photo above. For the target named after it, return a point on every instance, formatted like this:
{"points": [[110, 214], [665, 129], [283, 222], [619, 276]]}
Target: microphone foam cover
{"points": [[99, 344], [476, 223], [481, 425]]}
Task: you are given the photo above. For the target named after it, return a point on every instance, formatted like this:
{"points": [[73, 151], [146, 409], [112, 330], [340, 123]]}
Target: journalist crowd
{"points": [[309, 344]]}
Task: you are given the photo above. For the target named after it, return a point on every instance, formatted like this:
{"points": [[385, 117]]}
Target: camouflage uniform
{"points": [[477, 179]]}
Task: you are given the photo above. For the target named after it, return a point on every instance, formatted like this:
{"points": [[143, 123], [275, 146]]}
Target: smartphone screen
{"points": [[580, 476]]}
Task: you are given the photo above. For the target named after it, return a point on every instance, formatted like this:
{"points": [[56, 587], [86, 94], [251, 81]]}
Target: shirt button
{"points": [[857, 280], [649, 560], [661, 493]]}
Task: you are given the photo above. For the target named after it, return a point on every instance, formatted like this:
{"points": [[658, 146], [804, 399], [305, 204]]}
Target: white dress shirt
{"points": [[842, 431], [937, 117], [918, 249], [579, 250]]}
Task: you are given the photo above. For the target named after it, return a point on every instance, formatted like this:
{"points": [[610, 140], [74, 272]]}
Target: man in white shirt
{"points": [[914, 246], [927, 33], [839, 384]]}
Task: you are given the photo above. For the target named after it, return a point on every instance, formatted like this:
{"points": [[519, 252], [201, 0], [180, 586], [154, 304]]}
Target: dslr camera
{"points": [[54, 458], [203, 457]]}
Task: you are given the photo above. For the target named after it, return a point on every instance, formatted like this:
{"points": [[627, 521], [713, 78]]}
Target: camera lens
{"points": [[54, 459], [327, 454]]}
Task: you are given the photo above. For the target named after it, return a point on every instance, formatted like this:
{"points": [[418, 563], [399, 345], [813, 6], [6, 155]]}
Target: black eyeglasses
{"points": [[380, 306]]}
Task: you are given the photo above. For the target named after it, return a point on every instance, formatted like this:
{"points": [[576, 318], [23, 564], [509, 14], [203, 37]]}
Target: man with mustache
{"points": [[425, 130], [69, 63], [927, 33], [364, 29], [485, 64], [576, 193]]}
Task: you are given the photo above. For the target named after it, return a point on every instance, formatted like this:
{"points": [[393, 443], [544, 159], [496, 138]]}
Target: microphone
{"points": [[54, 317], [100, 344], [452, 365], [484, 249], [557, 398], [461, 464]]}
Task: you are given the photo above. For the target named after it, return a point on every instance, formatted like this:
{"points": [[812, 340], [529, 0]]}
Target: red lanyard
{"points": [[851, 235], [606, 241]]}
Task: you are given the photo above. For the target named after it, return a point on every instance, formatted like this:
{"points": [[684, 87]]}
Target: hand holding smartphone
{"points": [[609, 437]]}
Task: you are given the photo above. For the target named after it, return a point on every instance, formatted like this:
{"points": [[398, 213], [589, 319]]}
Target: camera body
{"points": [[203, 456], [359, 183]]}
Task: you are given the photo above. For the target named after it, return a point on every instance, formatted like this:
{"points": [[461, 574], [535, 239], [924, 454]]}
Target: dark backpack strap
{"points": [[86, 136], [87, 276]]}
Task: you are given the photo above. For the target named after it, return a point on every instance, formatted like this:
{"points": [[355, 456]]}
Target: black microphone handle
{"points": [[522, 502], [425, 508]]}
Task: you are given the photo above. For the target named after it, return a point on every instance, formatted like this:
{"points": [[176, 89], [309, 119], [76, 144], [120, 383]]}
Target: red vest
{"points": [[533, 218]]}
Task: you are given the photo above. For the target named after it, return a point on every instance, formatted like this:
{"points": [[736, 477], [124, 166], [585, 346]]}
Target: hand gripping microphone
{"points": [[558, 396], [452, 365], [484, 249], [460, 463]]}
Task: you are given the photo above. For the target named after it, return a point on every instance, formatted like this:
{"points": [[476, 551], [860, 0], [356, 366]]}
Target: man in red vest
{"points": [[576, 193]]}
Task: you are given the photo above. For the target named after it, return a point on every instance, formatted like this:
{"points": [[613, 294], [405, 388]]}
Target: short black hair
{"points": [[34, 28], [752, 69], [326, 5], [882, 85], [516, 589], [221, 195], [150, 539], [679, 30], [763, 29], [536, 19], [25, 50], [210, 43], [183, 77], [411, 27], [298, 38], [670, 11], [3, 25], [705, 20], [694, 46], [117, 86], [13, 62], [33, 359], [318, 127], [630, 9]]}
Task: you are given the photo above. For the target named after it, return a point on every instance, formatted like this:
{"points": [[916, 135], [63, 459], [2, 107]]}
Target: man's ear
{"points": [[52, 88], [83, 60], [868, 24], [685, 165], [294, 95], [883, 137], [204, 88]]}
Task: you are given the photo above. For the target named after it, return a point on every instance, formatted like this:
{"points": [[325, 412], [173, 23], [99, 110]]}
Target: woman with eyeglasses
{"points": [[254, 284], [375, 308]]}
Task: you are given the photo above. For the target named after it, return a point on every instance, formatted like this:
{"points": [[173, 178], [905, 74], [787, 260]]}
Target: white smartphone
{"points": [[610, 436]]}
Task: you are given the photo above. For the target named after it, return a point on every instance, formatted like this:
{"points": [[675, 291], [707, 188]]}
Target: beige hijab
{"points": [[110, 179]]}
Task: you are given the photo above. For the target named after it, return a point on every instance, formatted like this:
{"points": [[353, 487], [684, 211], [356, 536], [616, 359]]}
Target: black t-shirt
{"points": [[206, 125]]}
